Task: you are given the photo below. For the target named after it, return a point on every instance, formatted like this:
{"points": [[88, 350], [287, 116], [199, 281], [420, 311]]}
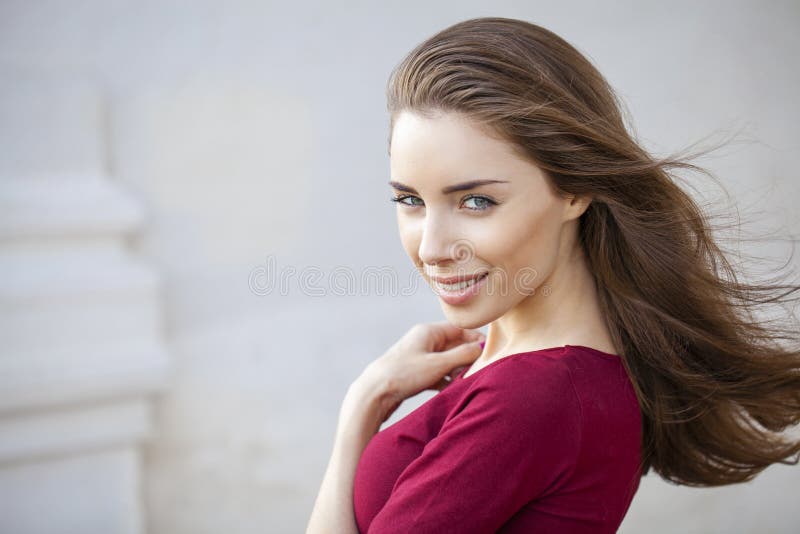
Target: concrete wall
{"points": [[161, 161]]}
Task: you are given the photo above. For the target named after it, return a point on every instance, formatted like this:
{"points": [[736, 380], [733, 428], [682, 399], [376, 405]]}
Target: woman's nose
{"points": [[441, 243], [433, 245]]}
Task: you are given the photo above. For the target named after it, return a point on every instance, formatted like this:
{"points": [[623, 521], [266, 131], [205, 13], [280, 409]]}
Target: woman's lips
{"points": [[455, 297]]}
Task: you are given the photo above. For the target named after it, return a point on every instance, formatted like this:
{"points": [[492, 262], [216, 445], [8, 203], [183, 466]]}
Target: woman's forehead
{"points": [[452, 149]]}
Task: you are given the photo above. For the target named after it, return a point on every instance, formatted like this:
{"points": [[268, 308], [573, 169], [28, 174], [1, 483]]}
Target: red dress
{"points": [[546, 441]]}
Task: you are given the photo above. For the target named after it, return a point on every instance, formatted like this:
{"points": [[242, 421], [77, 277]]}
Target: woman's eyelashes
{"points": [[482, 203]]}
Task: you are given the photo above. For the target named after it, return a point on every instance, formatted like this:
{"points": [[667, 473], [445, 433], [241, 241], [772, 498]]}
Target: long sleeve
{"points": [[513, 439]]}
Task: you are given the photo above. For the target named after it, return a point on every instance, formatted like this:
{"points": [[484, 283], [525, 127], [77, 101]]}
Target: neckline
{"points": [[460, 377]]}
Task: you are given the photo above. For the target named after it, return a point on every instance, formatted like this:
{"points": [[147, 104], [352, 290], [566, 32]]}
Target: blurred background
{"points": [[198, 254]]}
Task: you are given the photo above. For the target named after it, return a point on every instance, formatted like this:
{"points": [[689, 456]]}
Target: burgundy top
{"points": [[546, 441]]}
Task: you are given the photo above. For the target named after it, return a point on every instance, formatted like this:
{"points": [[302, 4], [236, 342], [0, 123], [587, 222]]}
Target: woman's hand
{"points": [[426, 357]]}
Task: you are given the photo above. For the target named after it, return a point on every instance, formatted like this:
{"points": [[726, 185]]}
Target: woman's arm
{"points": [[418, 361], [360, 418]]}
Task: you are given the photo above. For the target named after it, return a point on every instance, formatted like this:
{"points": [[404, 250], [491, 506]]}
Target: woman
{"points": [[619, 337]]}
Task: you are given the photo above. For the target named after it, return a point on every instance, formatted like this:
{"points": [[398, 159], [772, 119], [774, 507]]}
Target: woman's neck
{"points": [[564, 310]]}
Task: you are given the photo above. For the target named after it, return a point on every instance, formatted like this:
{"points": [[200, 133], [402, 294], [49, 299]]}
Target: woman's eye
{"points": [[483, 203], [401, 199]]}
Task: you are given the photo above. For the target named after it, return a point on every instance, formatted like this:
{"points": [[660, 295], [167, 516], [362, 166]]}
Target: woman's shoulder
{"points": [[559, 371], [519, 382], [570, 387], [556, 362]]}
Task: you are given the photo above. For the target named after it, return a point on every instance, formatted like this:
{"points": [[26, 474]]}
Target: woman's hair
{"points": [[715, 387]]}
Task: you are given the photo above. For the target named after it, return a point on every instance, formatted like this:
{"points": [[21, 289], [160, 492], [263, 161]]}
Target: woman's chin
{"points": [[467, 320]]}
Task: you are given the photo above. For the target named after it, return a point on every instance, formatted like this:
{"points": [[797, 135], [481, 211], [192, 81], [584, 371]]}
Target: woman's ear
{"points": [[577, 205]]}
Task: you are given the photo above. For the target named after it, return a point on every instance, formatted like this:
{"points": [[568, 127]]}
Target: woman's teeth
{"points": [[459, 285]]}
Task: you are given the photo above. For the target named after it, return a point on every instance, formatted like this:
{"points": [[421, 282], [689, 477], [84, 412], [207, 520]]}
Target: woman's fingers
{"points": [[425, 358], [446, 336], [461, 355]]}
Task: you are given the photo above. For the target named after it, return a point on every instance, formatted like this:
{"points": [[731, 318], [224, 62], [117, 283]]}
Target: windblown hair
{"points": [[716, 387]]}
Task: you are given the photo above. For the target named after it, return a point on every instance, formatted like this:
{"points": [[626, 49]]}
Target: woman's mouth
{"points": [[459, 292]]}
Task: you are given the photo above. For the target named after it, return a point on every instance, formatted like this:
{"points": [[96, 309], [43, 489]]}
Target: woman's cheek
{"points": [[408, 239]]}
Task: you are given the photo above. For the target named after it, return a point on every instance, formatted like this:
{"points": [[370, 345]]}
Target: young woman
{"points": [[619, 337]]}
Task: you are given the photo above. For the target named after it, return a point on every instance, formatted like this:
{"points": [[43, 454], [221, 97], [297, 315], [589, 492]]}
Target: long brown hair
{"points": [[716, 387]]}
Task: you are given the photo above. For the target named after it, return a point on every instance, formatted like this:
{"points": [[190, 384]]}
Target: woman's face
{"points": [[514, 229]]}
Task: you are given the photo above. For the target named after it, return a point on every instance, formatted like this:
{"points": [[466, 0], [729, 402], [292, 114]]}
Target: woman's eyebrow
{"points": [[463, 186]]}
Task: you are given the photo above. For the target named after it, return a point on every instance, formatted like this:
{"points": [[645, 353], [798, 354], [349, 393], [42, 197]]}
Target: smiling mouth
{"points": [[458, 286]]}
